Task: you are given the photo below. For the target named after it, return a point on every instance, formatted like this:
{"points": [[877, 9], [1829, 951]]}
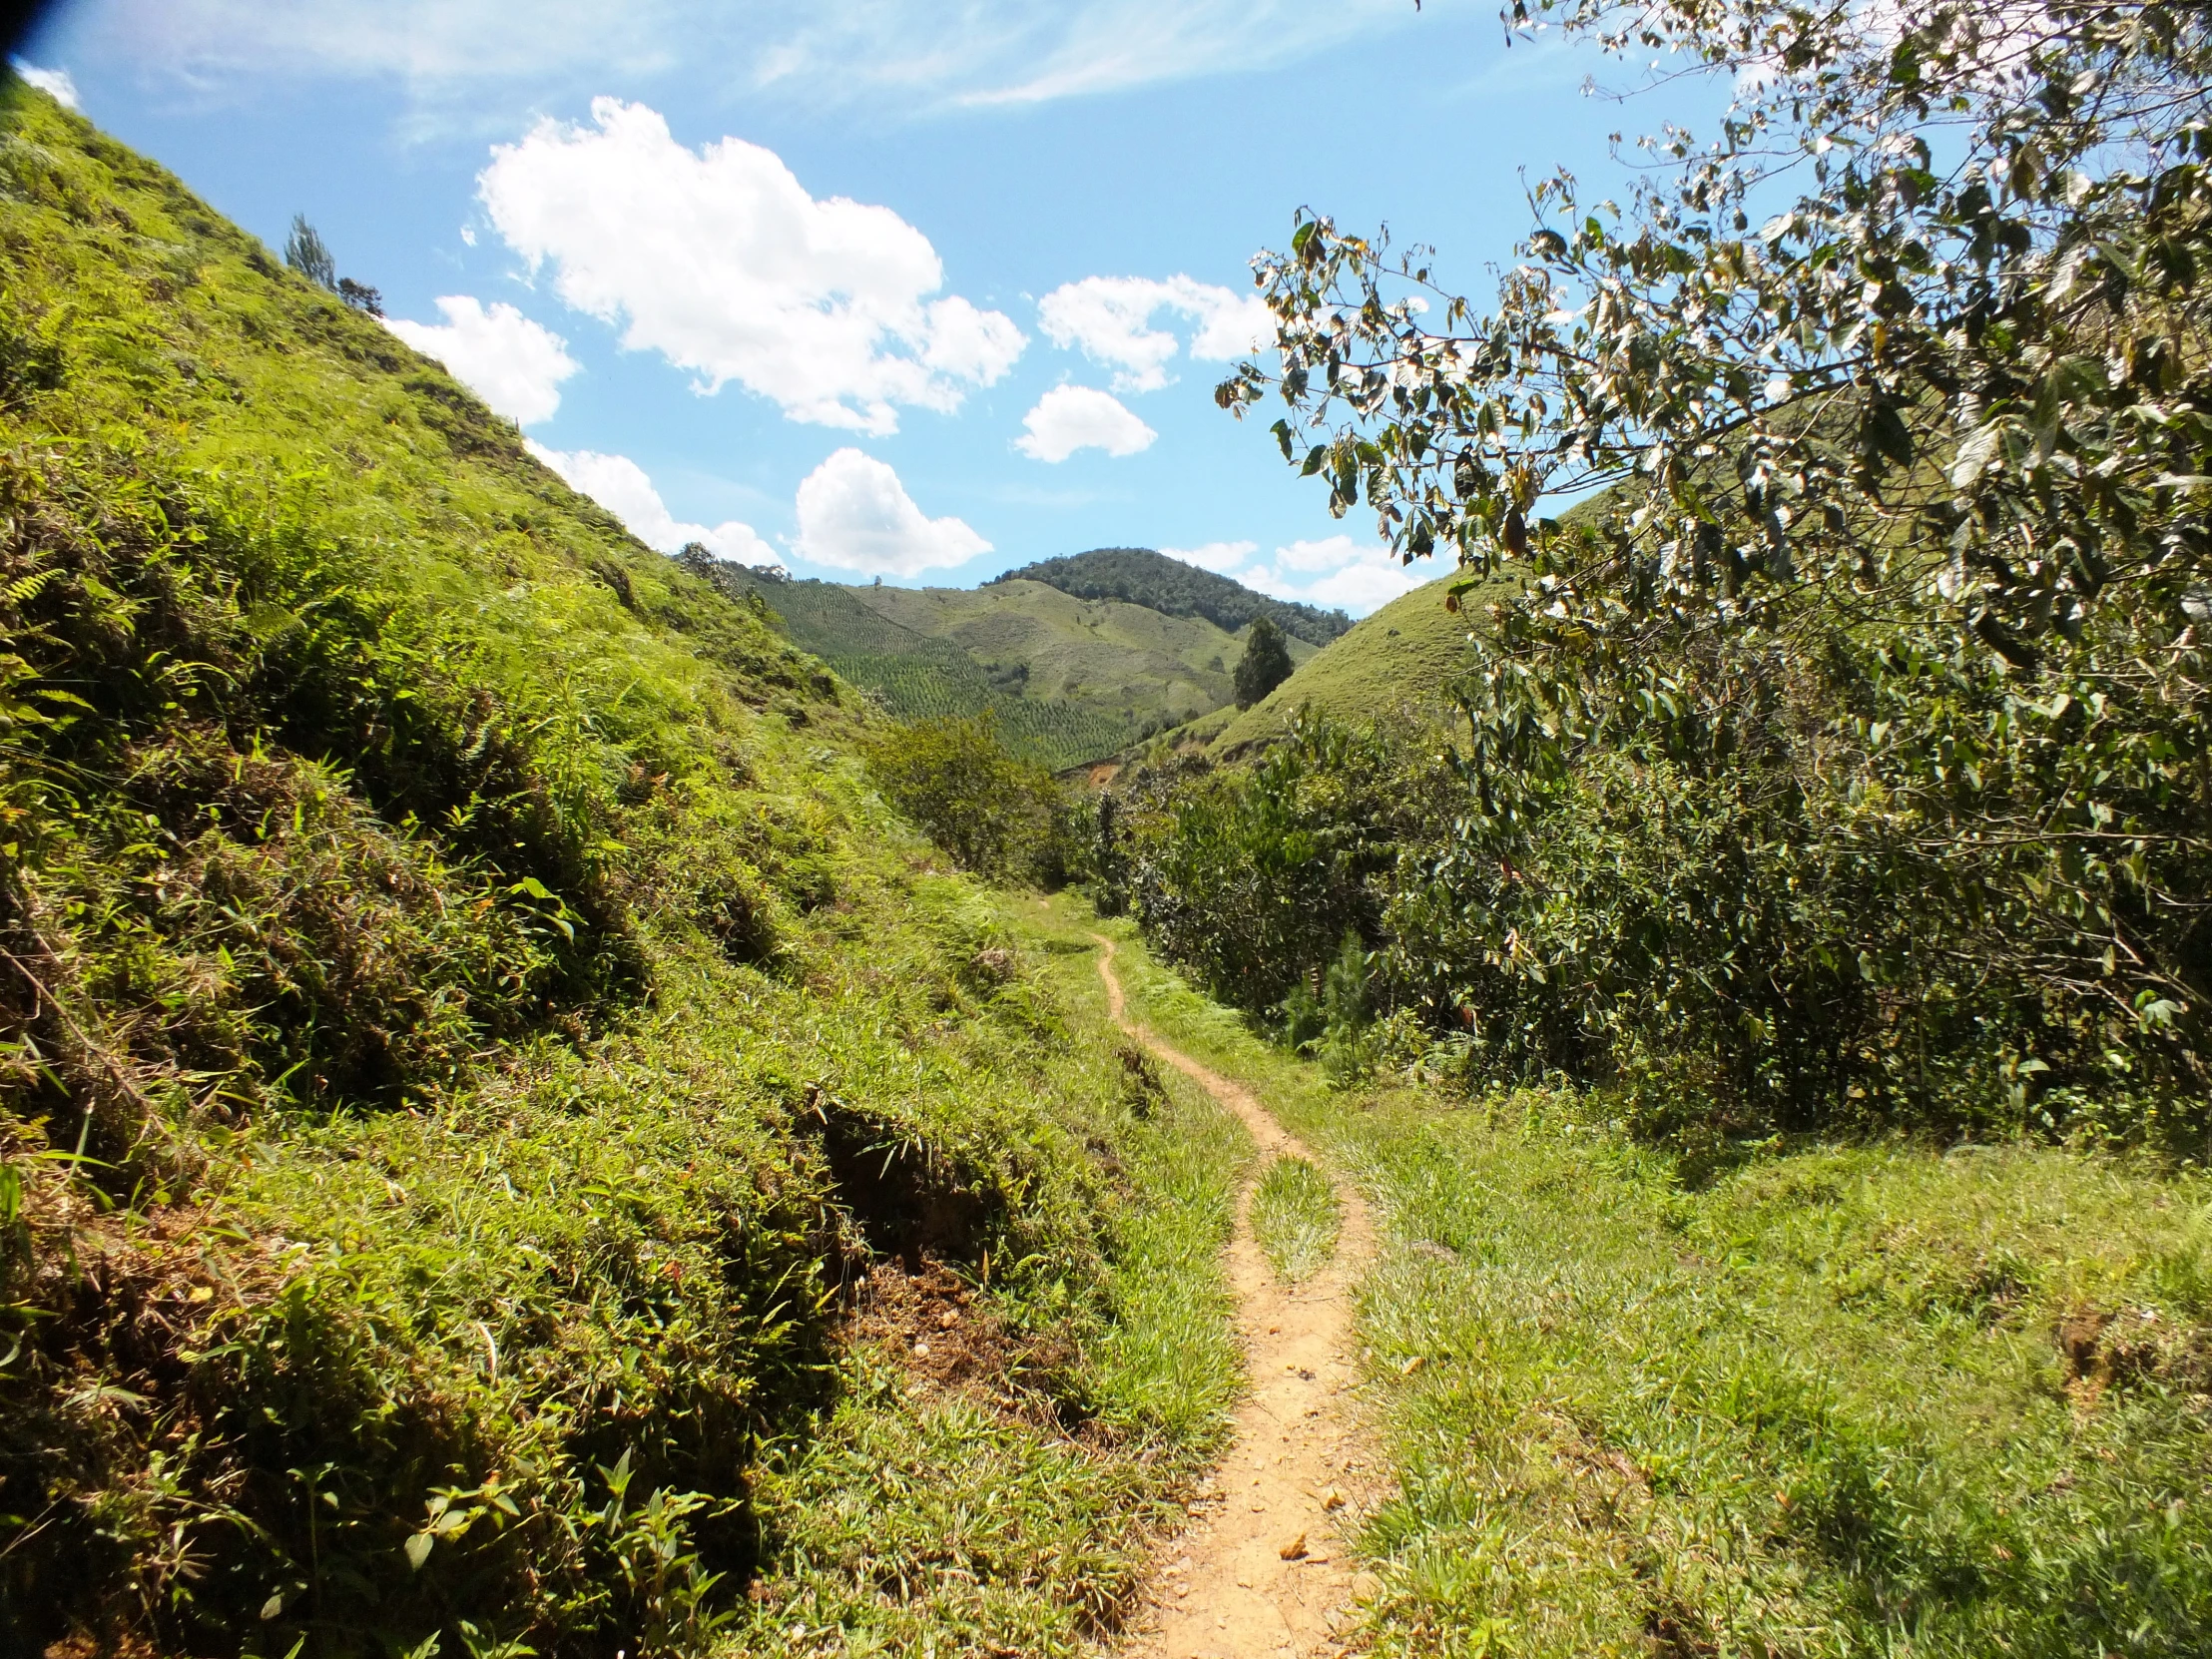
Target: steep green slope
{"points": [[1139, 576], [1396, 662], [494, 1113]]}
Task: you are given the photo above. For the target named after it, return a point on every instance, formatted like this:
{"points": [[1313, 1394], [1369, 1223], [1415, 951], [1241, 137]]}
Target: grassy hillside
{"points": [[1070, 680], [919, 677], [505, 1144], [1398, 661], [1832, 1400], [1118, 656], [1139, 576]]}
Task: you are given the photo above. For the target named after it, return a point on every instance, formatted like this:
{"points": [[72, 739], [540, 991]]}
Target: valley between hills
{"points": [[563, 1100]]}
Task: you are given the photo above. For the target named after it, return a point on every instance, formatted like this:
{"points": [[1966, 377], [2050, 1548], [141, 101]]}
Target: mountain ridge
{"points": [[1145, 576]]}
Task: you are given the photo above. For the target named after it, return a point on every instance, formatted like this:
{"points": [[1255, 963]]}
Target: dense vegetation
{"points": [[1845, 763], [506, 1144], [1140, 576], [998, 816]]}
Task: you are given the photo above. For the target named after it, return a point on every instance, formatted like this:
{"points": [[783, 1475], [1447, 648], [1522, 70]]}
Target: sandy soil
{"points": [[1264, 1567]]}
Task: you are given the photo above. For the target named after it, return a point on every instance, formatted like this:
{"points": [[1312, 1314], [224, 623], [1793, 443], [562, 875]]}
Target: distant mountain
{"points": [[1140, 576], [1069, 679]]}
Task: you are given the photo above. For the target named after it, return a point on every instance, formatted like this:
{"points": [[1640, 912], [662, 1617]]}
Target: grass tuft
{"points": [[1294, 1216]]}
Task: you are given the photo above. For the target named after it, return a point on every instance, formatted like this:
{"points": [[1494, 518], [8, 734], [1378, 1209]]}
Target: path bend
{"points": [[1265, 1566]]}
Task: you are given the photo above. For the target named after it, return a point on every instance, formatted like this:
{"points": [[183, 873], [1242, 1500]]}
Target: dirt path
{"points": [[1264, 1568]]}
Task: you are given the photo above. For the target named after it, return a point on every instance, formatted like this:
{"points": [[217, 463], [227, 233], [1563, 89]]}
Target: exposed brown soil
{"points": [[943, 1333], [1265, 1566]]}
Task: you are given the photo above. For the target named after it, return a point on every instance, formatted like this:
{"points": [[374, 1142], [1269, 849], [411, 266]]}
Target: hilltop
{"points": [[1139, 576]]}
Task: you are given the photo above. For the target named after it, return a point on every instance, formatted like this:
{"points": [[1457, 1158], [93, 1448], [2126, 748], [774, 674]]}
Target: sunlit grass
{"points": [[1846, 1399], [1294, 1217]]}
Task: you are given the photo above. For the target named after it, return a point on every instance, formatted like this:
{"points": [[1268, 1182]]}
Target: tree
{"points": [[306, 253], [1264, 665], [361, 296], [995, 813], [1903, 525]]}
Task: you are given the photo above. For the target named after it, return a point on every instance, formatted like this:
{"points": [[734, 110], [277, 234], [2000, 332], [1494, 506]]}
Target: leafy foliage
{"points": [[995, 814], [1892, 604], [1143, 577], [306, 253]]}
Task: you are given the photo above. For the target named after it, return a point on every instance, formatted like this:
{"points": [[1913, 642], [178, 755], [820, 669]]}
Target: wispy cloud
{"points": [[54, 82], [622, 487], [1335, 572], [881, 53]]}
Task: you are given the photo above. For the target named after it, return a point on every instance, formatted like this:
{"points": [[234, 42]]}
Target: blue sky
{"points": [[919, 292]]}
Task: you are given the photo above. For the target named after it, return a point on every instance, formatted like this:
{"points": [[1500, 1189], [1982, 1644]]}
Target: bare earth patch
{"points": [[1266, 1567]]}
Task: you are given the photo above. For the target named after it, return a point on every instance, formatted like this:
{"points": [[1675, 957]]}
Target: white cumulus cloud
{"points": [[509, 361], [854, 514], [55, 83], [1335, 572], [720, 261], [1110, 320], [621, 486], [1068, 418]]}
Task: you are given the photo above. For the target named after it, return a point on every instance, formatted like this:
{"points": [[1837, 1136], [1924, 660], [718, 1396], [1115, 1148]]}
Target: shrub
{"points": [[1264, 665], [995, 814]]}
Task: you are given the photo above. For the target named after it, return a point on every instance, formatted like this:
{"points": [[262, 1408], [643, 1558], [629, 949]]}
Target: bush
{"points": [[1264, 665], [995, 814], [1738, 949]]}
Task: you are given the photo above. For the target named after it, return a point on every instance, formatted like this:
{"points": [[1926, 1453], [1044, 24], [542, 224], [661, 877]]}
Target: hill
{"points": [[1140, 576], [490, 1099], [919, 677], [1070, 680], [1400, 660]]}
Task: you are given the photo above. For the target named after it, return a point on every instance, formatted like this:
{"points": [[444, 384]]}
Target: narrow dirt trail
{"points": [[1264, 1567]]}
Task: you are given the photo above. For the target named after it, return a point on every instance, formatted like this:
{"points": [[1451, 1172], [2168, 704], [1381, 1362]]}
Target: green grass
{"points": [[467, 1021], [1294, 1217], [918, 1518], [1398, 663], [1071, 680], [1878, 1398]]}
